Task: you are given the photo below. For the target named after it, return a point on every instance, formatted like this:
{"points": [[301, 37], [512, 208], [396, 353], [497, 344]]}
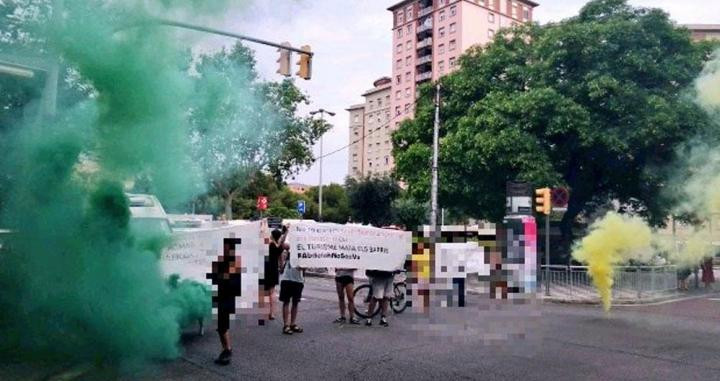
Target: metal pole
{"points": [[434, 186], [547, 255], [229, 34], [320, 185], [322, 113]]}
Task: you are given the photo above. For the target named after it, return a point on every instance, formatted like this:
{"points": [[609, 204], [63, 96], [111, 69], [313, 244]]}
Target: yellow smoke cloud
{"points": [[613, 240], [708, 85]]}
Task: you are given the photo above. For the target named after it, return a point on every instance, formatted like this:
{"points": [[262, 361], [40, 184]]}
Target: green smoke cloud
{"points": [[75, 283]]}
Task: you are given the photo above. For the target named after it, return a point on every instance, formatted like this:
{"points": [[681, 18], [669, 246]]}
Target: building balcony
{"points": [[427, 42], [425, 29], [424, 60], [426, 3], [422, 77], [425, 11]]}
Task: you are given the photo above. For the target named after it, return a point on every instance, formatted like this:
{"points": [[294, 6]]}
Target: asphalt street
{"points": [[667, 341]]}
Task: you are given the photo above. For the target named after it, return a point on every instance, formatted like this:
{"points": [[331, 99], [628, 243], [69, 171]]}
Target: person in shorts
{"points": [[382, 290], [272, 269], [292, 281], [344, 280], [226, 275]]}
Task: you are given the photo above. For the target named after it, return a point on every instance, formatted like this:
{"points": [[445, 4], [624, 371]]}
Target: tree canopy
{"points": [[597, 102], [371, 199], [245, 125]]}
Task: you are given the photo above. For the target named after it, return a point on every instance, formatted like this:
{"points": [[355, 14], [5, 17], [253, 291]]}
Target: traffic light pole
{"points": [[233, 35], [547, 255]]}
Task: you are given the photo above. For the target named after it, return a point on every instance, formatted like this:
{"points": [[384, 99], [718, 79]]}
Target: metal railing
{"points": [[425, 27], [424, 43], [629, 282], [424, 59], [425, 11], [423, 77]]}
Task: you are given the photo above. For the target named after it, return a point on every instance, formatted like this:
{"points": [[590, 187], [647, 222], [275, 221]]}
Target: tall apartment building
{"points": [[370, 130], [702, 32], [430, 35], [428, 38]]}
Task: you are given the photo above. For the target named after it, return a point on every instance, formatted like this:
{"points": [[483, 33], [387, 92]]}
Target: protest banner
{"points": [[327, 245], [192, 252]]}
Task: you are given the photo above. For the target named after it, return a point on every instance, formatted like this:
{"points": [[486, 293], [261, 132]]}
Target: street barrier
{"points": [[629, 282]]}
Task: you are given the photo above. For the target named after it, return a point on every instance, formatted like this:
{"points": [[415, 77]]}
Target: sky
{"points": [[352, 42]]}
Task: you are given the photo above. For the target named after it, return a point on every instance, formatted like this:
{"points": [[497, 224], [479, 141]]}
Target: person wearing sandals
{"points": [[272, 273], [344, 280], [292, 282], [382, 289]]}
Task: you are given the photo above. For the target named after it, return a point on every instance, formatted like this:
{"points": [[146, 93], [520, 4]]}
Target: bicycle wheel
{"points": [[362, 296], [399, 301]]}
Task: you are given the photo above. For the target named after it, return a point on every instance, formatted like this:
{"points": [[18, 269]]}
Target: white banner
{"points": [[318, 245], [193, 250]]}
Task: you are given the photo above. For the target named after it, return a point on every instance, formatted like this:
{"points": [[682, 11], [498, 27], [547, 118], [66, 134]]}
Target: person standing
{"points": [[226, 275], [344, 281], [381, 283], [272, 275], [292, 281]]}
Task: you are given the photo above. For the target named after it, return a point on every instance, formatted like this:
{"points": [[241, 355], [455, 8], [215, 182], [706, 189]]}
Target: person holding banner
{"points": [[381, 283], [344, 280], [272, 269], [292, 281]]}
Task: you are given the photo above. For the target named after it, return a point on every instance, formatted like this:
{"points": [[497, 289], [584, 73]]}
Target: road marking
{"points": [[663, 302]]}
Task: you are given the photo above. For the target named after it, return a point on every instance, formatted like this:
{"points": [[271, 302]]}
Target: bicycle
{"points": [[363, 294]]}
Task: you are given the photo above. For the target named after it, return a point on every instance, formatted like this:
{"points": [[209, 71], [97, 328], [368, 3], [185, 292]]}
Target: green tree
{"points": [[409, 213], [336, 204], [597, 102], [245, 125], [371, 199]]}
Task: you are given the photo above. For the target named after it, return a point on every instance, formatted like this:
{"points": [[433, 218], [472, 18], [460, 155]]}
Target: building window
{"points": [[442, 15], [408, 77], [441, 32], [452, 28], [408, 45], [356, 119], [453, 11], [491, 17], [397, 79], [515, 10], [409, 12], [398, 94], [441, 67], [379, 101], [400, 17], [526, 14], [399, 32], [441, 48], [452, 45], [407, 60], [398, 63], [407, 93], [491, 33], [407, 108], [387, 160], [452, 61], [443, 2], [398, 48], [397, 111], [409, 29]]}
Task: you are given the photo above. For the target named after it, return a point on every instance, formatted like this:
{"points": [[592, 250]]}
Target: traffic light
{"points": [[542, 201], [284, 61], [305, 63]]}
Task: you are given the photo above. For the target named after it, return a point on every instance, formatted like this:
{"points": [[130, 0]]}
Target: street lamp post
{"points": [[322, 113]]}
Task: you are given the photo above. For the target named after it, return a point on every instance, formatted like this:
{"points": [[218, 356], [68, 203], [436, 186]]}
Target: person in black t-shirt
{"points": [[226, 275], [272, 274]]}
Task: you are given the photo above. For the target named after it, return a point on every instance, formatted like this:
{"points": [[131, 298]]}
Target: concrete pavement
{"points": [[668, 341], [662, 342]]}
